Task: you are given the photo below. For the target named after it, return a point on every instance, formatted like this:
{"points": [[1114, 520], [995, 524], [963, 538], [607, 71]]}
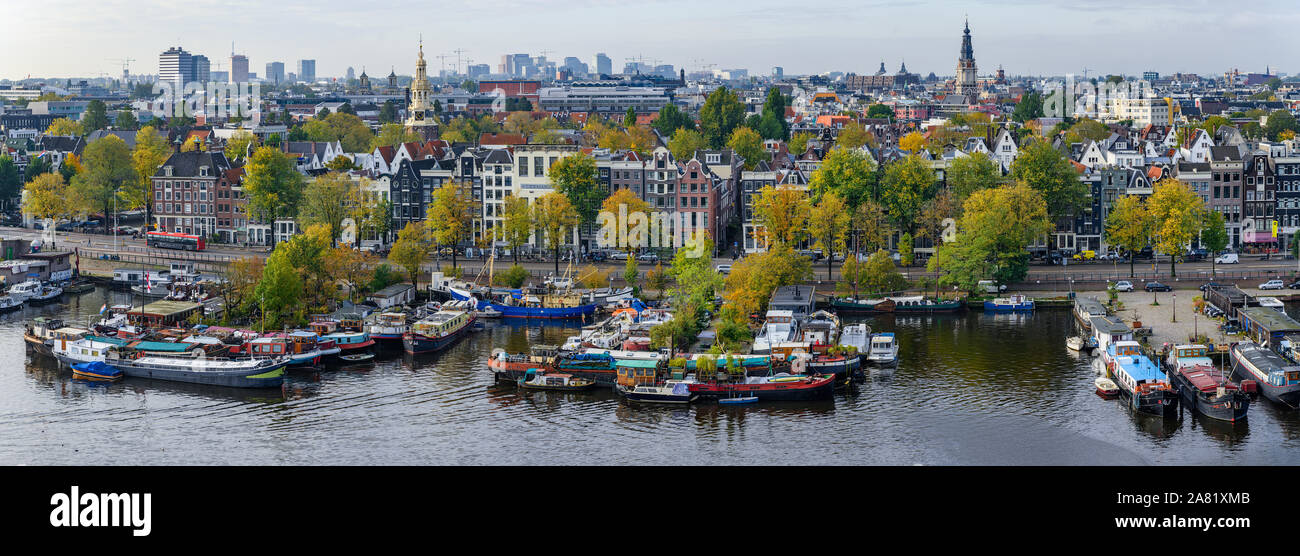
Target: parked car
{"points": [[1227, 258], [648, 257], [724, 269], [1271, 285], [1294, 285], [1054, 259], [1212, 284], [1124, 286], [618, 256], [1196, 255], [1146, 253], [1157, 287], [989, 286]]}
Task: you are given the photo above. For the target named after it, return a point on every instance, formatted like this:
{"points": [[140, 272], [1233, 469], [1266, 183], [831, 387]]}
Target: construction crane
{"points": [[443, 58], [459, 52], [125, 65]]}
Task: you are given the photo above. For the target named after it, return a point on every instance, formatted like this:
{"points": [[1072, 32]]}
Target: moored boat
{"points": [[538, 379], [388, 327], [1015, 302], [349, 342], [1146, 386], [1203, 387], [437, 331], [97, 371], [884, 349], [802, 388], [1276, 378], [1106, 387]]}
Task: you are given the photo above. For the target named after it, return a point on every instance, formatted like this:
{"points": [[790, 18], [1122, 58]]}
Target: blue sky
{"points": [[65, 38]]}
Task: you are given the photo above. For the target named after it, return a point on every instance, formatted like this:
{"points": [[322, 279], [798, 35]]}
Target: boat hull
{"points": [[1242, 369], [269, 375], [818, 388], [1232, 407], [419, 343]]}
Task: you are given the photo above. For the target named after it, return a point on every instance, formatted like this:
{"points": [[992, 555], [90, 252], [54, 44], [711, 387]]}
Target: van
{"points": [[1227, 258], [989, 286]]}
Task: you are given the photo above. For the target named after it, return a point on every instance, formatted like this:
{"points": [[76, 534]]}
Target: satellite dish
{"points": [[349, 233]]}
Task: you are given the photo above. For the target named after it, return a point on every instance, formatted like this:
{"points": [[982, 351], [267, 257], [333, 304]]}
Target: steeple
{"points": [[881, 71], [902, 70]]}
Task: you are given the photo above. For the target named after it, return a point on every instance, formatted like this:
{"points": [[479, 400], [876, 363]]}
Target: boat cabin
{"points": [[882, 342], [633, 373], [1110, 329], [323, 327], [1267, 327]]}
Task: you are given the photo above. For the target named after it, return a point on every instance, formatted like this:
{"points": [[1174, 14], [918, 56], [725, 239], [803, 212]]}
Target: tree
{"points": [[392, 135], [799, 143], [878, 275], [1030, 107], [722, 112], [64, 126], [685, 142], [95, 117], [904, 187], [828, 225], [388, 113], [751, 282], [517, 225], [854, 136], [749, 145], [968, 174], [629, 119], [1128, 226], [237, 145], [995, 228], [278, 291], [1176, 216], [353, 268], [624, 201], [846, 172], [150, 152], [630, 272], [36, 166], [869, 224], [325, 201], [273, 185], [126, 121], [341, 163], [242, 276], [694, 279], [46, 197], [1279, 121], [905, 249], [553, 214], [912, 142], [772, 124], [107, 172], [782, 214], [670, 120], [10, 180], [1214, 237], [656, 278], [410, 250], [1045, 169], [1086, 128], [513, 277], [450, 217], [878, 110], [576, 177]]}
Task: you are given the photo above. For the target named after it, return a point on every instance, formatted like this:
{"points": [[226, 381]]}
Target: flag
{"points": [[147, 284], [103, 308]]}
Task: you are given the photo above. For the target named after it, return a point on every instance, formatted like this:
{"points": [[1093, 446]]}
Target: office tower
{"points": [[601, 64], [275, 72], [238, 68], [201, 71], [175, 65], [307, 71]]}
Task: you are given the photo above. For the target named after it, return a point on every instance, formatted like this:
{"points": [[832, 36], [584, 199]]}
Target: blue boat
{"points": [[1139, 379], [96, 370], [1009, 304], [533, 306], [736, 401]]}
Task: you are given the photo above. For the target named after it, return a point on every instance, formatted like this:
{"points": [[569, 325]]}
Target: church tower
{"points": [[966, 85], [420, 115]]}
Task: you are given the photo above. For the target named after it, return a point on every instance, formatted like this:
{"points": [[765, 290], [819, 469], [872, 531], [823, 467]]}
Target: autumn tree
{"points": [[325, 201], [1176, 215], [912, 142], [968, 174], [685, 142], [554, 214], [353, 268], [846, 172], [749, 145], [782, 214], [242, 276], [1046, 170], [623, 202], [273, 185], [517, 224], [1214, 236], [828, 226], [575, 177], [992, 237], [46, 197], [1128, 226], [450, 217], [107, 171], [410, 250], [904, 188], [854, 136], [751, 282]]}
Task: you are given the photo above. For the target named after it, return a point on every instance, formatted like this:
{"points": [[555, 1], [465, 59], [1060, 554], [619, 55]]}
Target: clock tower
{"points": [[421, 118]]}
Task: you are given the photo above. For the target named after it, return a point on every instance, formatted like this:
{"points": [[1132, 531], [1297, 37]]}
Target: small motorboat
{"points": [[1106, 387], [738, 400], [1079, 343], [356, 357], [97, 371], [537, 379]]}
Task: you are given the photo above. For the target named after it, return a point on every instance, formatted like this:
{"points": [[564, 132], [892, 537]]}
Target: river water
{"points": [[971, 389]]}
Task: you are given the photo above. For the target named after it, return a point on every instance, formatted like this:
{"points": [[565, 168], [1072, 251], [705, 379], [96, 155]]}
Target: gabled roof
{"points": [[187, 164]]}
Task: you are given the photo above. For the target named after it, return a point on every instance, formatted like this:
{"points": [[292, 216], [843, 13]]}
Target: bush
{"points": [[513, 277], [385, 276]]}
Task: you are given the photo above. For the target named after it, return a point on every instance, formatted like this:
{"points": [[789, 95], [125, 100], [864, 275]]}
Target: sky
{"points": [[87, 38]]}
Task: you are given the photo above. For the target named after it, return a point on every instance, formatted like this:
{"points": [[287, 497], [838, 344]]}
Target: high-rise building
{"points": [[601, 64], [175, 65], [352, 74], [966, 85], [307, 71], [202, 67], [238, 68], [275, 72], [778, 72], [478, 70]]}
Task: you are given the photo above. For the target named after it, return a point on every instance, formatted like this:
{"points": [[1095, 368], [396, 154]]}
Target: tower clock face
{"points": [[419, 116]]}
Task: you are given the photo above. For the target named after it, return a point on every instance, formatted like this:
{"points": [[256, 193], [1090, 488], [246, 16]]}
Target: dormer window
{"points": [[167, 171], [203, 171]]}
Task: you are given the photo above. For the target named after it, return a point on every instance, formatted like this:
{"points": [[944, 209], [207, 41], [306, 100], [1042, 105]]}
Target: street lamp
{"points": [[1173, 308]]}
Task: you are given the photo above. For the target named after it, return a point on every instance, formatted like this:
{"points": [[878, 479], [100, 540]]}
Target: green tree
{"points": [[671, 119], [749, 145], [108, 172], [685, 142], [992, 237], [238, 144], [410, 250], [799, 143], [553, 214], [1176, 216], [1046, 170], [273, 185], [846, 172], [904, 188], [878, 110], [629, 118], [751, 282], [1279, 121], [1128, 226], [878, 275], [278, 292], [854, 136], [1030, 107], [11, 181], [721, 114], [126, 121], [95, 117], [1214, 237], [517, 225], [576, 178], [968, 174], [906, 254], [630, 272], [772, 123], [325, 201], [388, 113], [828, 225]]}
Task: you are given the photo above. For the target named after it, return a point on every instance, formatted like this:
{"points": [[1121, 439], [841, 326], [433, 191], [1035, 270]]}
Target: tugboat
{"points": [[1275, 377], [1139, 379], [1203, 387]]}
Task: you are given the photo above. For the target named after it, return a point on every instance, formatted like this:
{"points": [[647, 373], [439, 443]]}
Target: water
{"points": [[971, 389]]}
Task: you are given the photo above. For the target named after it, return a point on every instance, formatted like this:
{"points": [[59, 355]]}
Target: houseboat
{"points": [[302, 348], [1203, 387], [239, 373], [778, 328], [349, 342], [437, 331], [538, 379], [1086, 309], [508, 367], [1139, 379], [1276, 378], [1012, 303], [10, 303], [532, 304], [884, 349], [767, 388], [388, 327], [856, 336]]}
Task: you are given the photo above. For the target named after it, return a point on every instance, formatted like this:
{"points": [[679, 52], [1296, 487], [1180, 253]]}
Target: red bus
{"points": [[168, 240]]}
